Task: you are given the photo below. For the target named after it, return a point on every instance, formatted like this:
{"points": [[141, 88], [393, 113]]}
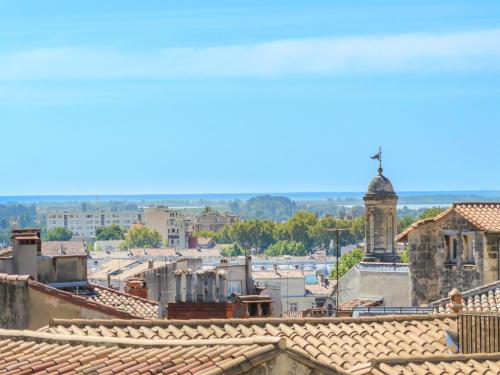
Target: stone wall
{"points": [[62, 269], [14, 298], [432, 273]]}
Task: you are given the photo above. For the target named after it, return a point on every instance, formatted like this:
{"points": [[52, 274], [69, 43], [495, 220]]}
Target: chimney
{"points": [[26, 247], [455, 300], [109, 280], [211, 285], [151, 264], [222, 286], [178, 286], [189, 285], [200, 286]]}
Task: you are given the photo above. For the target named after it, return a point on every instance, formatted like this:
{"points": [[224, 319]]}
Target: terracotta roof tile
{"points": [[36, 353], [485, 216], [133, 305], [486, 298], [477, 364], [344, 342]]}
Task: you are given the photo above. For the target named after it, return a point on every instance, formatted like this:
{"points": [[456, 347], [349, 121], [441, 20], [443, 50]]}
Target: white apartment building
{"points": [[84, 224], [170, 223]]}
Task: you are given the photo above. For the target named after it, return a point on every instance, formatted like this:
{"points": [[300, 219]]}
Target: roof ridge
{"points": [[15, 277], [249, 321], [42, 336], [434, 358]]}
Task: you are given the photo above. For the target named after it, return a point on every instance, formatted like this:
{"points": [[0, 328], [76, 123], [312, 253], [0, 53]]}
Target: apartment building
{"points": [[170, 223], [214, 221], [83, 224]]}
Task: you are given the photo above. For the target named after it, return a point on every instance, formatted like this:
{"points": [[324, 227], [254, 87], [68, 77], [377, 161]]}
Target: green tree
{"points": [[113, 232], [142, 237], [431, 212], [59, 234], [232, 251], [204, 233], [405, 255], [257, 234], [299, 228], [404, 223], [347, 261], [285, 247]]}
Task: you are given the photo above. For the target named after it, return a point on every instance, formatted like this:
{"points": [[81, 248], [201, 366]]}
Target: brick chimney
{"points": [[456, 302]]}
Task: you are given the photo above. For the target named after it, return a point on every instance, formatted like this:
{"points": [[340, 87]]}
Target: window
{"points": [[234, 287], [454, 250], [293, 306], [390, 235], [372, 233]]}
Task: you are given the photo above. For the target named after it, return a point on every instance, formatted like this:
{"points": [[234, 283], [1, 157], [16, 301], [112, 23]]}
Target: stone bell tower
{"points": [[380, 217]]}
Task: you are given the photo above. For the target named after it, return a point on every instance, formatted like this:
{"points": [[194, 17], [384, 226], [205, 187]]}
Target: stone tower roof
{"points": [[380, 187]]}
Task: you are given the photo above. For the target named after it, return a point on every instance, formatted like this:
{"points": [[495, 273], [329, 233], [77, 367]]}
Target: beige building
{"points": [[291, 285], [170, 223], [83, 224], [457, 249], [213, 221]]}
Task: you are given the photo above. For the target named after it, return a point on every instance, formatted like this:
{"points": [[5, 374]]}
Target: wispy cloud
{"points": [[464, 51]]}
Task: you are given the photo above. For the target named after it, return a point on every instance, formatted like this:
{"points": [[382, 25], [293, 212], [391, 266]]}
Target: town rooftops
{"points": [[101, 299], [486, 298], [61, 248], [337, 342], [23, 352], [477, 364], [484, 216]]}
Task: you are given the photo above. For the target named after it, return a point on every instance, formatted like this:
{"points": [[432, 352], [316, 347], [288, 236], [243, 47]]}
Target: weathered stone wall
{"points": [[14, 298], [432, 274], [62, 269]]}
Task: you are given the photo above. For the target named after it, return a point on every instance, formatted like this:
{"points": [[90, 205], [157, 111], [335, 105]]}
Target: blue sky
{"points": [[247, 96]]}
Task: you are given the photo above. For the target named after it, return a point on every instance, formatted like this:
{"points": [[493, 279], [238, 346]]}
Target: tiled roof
{"points": [[473, 364], [125, 302], [70, 298], [485, 216], [58, 248], [162, 252], [278, 274], [195, 253], [319, 290], [343, 342], [360, 302], [483, 299], [28, 352], [5, 252]]}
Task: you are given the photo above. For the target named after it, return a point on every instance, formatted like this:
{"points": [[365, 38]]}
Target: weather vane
{"points": [[378, 157]]}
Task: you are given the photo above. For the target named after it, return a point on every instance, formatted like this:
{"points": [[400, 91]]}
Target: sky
{"points": [[175, 97]]}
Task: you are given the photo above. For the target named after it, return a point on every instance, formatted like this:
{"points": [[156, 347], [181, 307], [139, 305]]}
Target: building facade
{"points": [[214, 221], [84, 224], [170, 223], [456, 249]]}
